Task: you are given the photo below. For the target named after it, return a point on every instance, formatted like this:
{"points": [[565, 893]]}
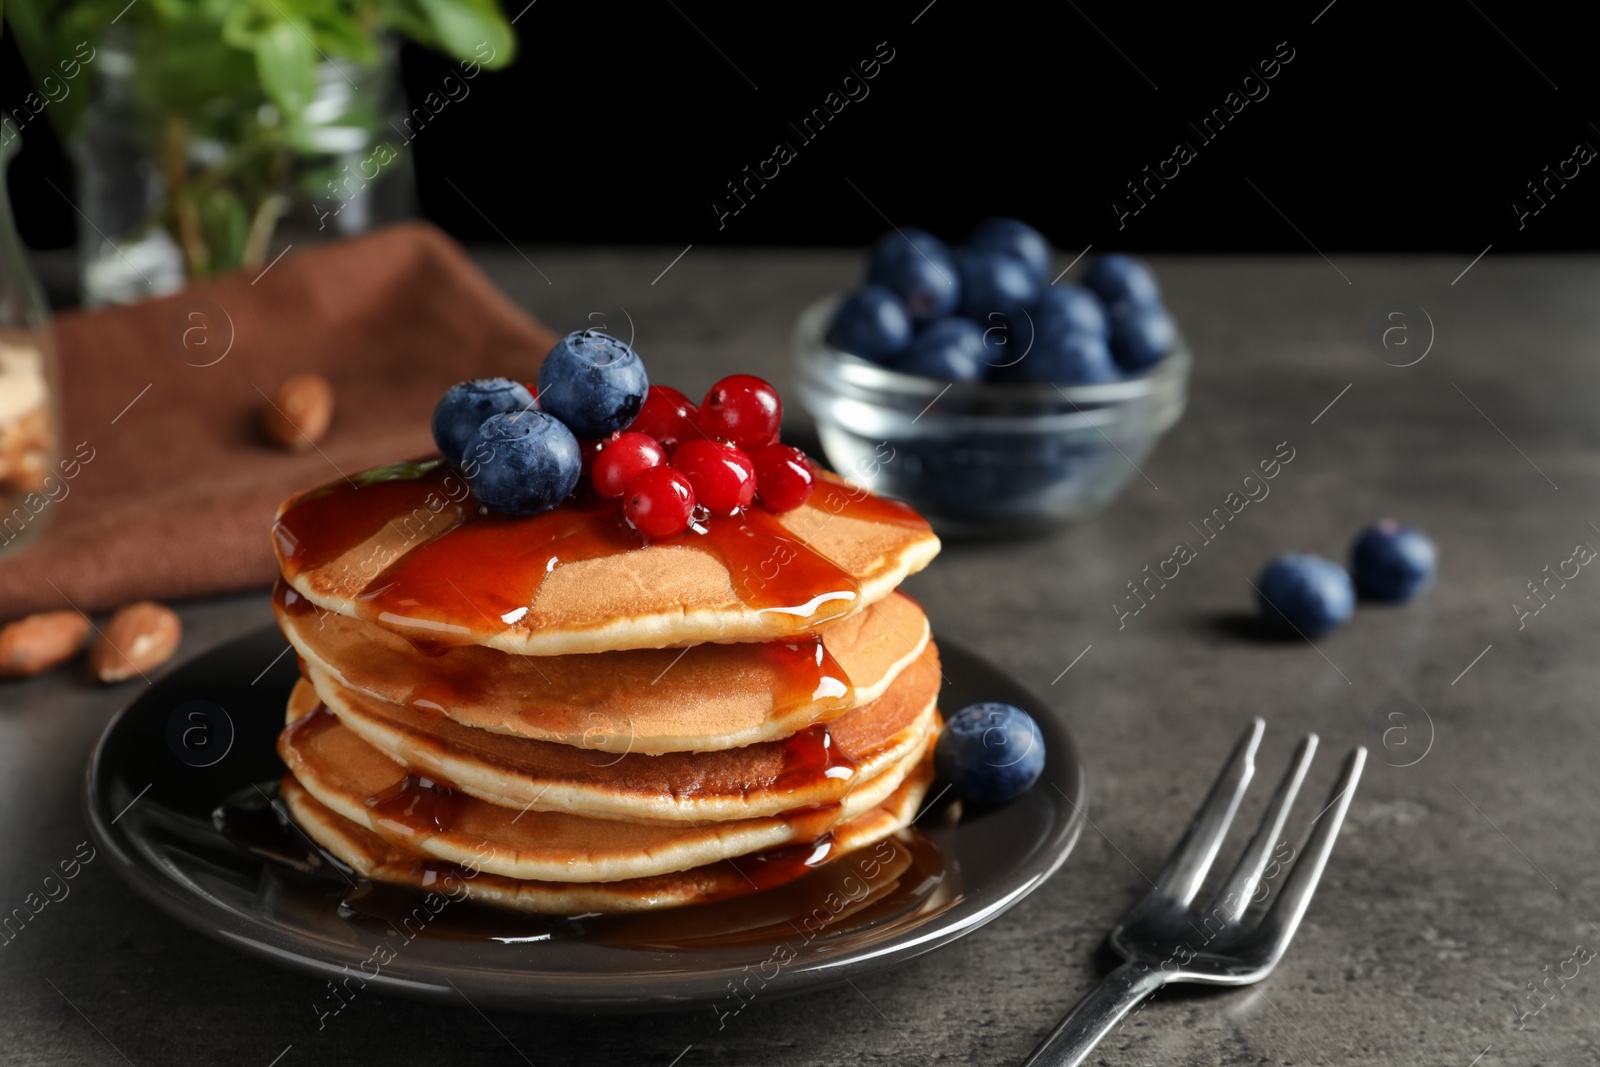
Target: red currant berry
{"points": [[622, 460], [659, 502], [669, 417], [744, 410], [722, 476], [784, 478]]}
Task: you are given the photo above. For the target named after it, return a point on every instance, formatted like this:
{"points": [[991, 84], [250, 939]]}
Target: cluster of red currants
{"points": [[676, 459]]}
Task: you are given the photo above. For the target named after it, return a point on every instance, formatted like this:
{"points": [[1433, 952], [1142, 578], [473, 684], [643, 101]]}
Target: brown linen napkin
{"points": [[174, 487]]}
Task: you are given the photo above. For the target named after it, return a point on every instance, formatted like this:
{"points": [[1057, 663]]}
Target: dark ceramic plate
{"points": [[179, 795]]}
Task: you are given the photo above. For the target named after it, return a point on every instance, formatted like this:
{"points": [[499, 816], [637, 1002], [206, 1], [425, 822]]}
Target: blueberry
{"points": [[592, 382], [1308, 593], [994, 282], [522, 462], [1004, 341], [1065, 359], [1070, 309], [1140, 336], [1122, 280], [916, 266], [949, 349], [1392, 562], [1016, 238], [872, 324], [989, 753], [465, 405], [997, 477]]}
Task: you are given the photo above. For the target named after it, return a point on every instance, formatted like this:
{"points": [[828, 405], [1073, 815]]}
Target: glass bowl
{"points": [[981, 458]]}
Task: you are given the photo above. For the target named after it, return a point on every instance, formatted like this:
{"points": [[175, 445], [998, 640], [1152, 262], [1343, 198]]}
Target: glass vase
{"points": [[29, 411], [184, 174]]}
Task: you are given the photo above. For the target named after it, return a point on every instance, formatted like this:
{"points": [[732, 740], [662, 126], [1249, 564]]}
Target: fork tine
{"points": [[1283, 918], [1186, 868], [1234, 896]]}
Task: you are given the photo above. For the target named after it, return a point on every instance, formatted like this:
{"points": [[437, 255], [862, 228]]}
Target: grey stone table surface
{"points": [[1467, 872]]}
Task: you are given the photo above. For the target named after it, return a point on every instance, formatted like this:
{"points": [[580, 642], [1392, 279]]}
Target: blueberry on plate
{"points": [[1065, 359], [522, 462], [994, 282], [465, 405], [989, 753], [1308, 593], [916, 266], [872, 324], [1140, 336], [592, 382], [1016, 238], [1122, 280], [1070, 309], [1392, 562], [949, 349]]}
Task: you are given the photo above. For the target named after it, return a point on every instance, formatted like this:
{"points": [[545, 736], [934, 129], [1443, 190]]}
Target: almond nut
{"points": [[298, 416], [140, 637], [35, 644]]}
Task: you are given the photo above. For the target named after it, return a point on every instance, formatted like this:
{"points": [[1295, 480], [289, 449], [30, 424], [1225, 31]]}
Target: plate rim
{"points": [[581, 992]]}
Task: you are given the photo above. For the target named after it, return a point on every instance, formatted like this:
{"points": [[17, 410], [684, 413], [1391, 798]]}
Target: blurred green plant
{"points": [[240, 74]]}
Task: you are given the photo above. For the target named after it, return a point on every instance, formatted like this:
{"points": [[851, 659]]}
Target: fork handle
{"points": [[1096, 1014]]}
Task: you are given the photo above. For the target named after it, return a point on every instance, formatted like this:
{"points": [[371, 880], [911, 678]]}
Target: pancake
{"points": [[648, 700], [407, 546], [371, 856], [344, 773], [816, 767]]}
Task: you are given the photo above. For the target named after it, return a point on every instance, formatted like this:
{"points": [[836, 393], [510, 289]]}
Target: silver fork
{"points": [[1165, 938]]}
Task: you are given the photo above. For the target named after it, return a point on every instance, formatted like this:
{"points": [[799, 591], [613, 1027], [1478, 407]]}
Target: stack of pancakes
{"points": [[571, 720]]}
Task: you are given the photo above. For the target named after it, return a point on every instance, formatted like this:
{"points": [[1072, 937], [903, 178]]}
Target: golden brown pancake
{"points": [[408, 547], [374, 857], [815, 767], [368, 788], [648, 700]]}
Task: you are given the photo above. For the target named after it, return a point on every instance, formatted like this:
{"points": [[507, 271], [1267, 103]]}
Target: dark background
{"points": [[1393, 128]]}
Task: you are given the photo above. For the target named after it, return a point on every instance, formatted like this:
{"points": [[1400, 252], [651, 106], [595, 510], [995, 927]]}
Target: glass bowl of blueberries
{"points": [[994, 399]]}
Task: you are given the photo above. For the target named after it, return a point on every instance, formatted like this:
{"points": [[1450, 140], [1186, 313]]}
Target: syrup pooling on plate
{"points": [[900, 876]]}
